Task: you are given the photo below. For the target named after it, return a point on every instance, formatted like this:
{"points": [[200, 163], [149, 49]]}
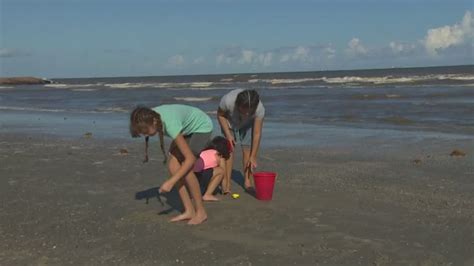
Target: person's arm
{"points": [[187, 164], [256, 137], [224, 123]]}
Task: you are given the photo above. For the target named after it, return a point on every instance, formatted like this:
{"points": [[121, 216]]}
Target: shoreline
{"points": [[276, 134]]}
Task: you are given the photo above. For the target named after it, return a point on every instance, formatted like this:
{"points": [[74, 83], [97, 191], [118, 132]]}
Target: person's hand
{"points": [[231, 141], [166, 186], [252, 163]]}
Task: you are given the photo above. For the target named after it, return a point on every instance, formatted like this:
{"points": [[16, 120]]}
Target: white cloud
{"points": [[298, 53], [229, 55], [290, 56], [220, 59], [176, 60], [198, 60], [399, 48], [396, 47], [441, 38], [355, 48], [240, 56], [6, 52], [266, 59], [247, 57], [329, 52]]}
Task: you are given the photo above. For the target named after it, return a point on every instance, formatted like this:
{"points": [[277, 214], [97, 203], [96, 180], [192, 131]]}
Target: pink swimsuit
{"points": [[207, 159]]}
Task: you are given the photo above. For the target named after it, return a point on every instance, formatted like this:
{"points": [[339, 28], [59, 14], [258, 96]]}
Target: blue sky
{"points": [[71, 38]]}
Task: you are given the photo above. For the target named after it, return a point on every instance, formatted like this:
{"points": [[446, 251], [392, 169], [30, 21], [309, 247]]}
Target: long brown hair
{"points": [[248, 99], [140, 119]]}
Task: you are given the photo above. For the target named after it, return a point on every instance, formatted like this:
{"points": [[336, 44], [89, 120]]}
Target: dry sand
{"points": [[72, 201]]}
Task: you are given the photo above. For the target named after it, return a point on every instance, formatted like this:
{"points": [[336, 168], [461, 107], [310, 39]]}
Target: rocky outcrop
{"points": [[23, 80]]}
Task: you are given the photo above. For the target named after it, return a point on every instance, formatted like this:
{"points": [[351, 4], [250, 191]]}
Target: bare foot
{"points": [[226, 192], [209, 198], [198, 219], [182, 217], [248, 184]]}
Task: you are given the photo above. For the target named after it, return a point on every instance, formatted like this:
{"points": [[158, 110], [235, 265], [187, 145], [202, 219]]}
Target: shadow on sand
{"points": [[172, 198]]}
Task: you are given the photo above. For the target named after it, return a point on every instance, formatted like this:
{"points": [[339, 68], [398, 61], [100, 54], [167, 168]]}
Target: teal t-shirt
{"points": [[183, 119]]}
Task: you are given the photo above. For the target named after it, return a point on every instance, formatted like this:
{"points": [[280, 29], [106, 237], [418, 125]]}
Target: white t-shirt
{"points": [[227, 105]]}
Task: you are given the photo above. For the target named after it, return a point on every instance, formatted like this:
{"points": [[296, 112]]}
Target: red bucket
{"points": [[264, 184]]}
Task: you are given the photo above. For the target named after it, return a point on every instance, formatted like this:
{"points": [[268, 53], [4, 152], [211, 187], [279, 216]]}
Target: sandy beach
{"points": [[364, 110], [377, 202]]}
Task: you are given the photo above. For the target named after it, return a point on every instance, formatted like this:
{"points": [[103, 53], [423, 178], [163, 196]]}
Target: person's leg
{"points": [[246, 140], [217, 175], [193, 186], [188, 213], [246, 170], [228, 174], [229, 163]]}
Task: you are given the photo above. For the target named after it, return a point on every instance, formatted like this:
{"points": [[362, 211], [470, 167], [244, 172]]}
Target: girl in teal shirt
{"points": [[190, 128]]}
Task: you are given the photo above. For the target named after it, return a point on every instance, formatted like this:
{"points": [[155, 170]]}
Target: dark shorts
{"points": [[196, 141], [243, 135], [204, 178]]}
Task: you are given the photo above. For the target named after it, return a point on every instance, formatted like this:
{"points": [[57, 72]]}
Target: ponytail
{"points": [[141, 118]]}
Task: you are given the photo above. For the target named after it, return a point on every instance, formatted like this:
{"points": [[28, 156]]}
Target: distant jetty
{"points": [[23, 80]]}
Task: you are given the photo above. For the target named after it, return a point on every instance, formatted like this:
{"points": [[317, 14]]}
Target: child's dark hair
{"points": [[140, 119], [248, 99], [220, 144]]}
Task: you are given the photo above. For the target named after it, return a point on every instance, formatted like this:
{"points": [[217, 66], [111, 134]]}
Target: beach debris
{"points": [[88, 135], [457, 153], [417, 161], [123, 152], [235, 196]]}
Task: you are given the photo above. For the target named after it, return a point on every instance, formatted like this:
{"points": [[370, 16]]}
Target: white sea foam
{"points": [[460, 77], [291, 81], [201, 84], [126, 85], [193, 99], [355, 80], [129, 85], [283, 81], [111, 110], [84, 90], [276, 82], [51, 110], [30, 109], [68, 86]]}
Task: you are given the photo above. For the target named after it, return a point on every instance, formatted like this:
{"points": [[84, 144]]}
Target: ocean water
{"points": [[420, 101]]}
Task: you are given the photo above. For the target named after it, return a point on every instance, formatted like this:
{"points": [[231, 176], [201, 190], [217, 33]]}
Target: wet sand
{"points": [[376, 202]]}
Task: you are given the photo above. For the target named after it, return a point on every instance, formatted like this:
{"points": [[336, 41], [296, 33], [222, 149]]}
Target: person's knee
{"points": [[190, 176], [218, 171], [173, 164]]}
